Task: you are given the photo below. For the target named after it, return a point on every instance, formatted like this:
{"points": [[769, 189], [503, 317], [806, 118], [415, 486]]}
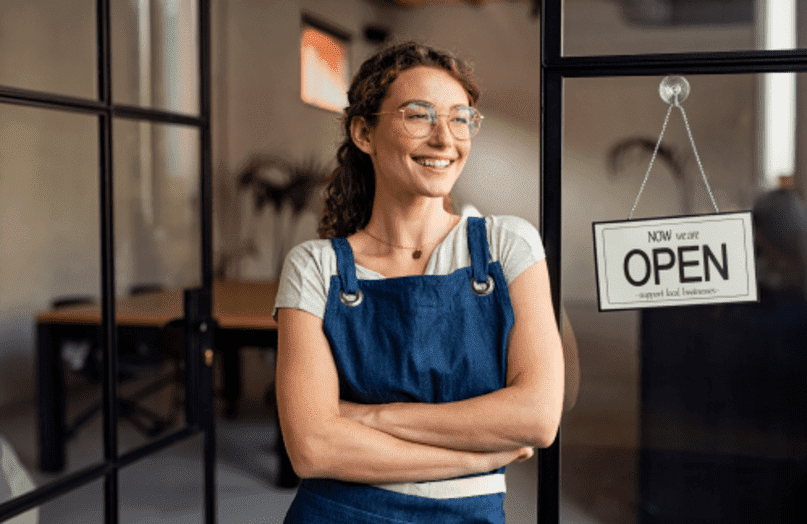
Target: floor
{"points": [[168, 488]]}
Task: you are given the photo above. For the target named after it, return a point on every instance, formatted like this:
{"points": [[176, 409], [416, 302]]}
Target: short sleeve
{"points": [[303, 281], [515, 243]]}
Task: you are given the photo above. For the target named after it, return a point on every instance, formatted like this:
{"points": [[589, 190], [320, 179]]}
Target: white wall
{"points": [[258, 111]]}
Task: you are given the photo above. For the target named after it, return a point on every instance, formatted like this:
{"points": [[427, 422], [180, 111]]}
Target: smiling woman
{"points": [[418, 352], [413, 173], [351, 191]]}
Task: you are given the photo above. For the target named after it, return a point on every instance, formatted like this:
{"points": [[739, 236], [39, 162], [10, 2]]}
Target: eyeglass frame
{"points": [[433, 111]]}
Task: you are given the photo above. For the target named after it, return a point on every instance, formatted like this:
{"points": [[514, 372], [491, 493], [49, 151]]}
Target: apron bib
{"points": [[426, 338]]}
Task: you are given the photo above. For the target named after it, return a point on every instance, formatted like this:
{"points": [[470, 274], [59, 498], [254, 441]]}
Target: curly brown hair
{"points": [[350, 188]]}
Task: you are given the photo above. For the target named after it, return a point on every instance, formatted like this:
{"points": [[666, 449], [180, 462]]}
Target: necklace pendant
{"points": [[417, 254]]}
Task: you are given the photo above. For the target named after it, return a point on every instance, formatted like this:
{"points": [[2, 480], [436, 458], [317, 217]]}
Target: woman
{"points": [[418, 351]]}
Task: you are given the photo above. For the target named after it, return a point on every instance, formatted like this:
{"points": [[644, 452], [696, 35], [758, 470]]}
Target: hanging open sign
{"points": [[679, 261]]}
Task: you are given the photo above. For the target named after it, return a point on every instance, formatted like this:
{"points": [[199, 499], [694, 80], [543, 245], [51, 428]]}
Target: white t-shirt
{"points": [[306, 277]]}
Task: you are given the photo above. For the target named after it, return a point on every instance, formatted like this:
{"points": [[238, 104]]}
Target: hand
{"points": [[496, 459], [525, 453]]}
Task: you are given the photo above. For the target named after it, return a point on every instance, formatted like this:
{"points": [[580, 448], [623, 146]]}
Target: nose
{"points": [[441, 134]]}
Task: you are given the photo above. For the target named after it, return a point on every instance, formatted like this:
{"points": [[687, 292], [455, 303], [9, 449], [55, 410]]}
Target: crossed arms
{"points": [[418, 441]]}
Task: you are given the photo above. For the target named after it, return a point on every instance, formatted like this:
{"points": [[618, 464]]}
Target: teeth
{"points": [[433, 163]]}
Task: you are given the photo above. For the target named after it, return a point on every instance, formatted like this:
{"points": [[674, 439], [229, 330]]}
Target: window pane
{"points": [[155, 49], [324, 69], [86, 504], [625, 27], [167, 486], [698, 404], [157, 215], [157, 256], [49, 233], [49, 46]]}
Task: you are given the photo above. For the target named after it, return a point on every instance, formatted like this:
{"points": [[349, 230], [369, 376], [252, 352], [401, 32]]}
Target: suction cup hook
{"points": [[672, 86]]}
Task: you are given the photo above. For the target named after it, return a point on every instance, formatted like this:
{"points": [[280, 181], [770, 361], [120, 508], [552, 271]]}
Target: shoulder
{"points": [[514, 242], [511, 225], [311, 248], [312, 262], [310, 255], [304, 281], [506, 231]]}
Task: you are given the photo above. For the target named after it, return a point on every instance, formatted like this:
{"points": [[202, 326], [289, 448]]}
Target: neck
{"points": [[420, 222]]}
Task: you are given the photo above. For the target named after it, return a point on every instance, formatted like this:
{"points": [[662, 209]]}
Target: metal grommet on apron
{"points": [[423, 338], [483, 288], [351, 300]]}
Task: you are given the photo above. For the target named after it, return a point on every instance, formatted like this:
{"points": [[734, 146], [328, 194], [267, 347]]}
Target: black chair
{"points": [[142, 354], [76, 344]]}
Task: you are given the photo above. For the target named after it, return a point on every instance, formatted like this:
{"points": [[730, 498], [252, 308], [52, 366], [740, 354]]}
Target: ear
{"points": [[361, 134]]}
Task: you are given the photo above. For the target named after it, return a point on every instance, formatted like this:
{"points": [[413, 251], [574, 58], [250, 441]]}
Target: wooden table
{"points": [[241, 309], [237, 304]]}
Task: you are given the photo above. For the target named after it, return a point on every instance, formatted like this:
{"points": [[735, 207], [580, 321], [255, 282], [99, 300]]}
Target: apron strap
{"points": [[478, 247], [345, 265]]}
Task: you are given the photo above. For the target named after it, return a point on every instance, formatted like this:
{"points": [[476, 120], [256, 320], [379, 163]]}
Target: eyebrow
{"points": [[418, 101]]}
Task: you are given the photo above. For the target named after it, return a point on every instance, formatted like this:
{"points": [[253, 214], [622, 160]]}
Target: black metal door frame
{"points": [[554, 69], [198, 320]]}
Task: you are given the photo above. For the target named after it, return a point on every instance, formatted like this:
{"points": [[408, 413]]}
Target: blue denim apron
{"points": [[428, 338]]}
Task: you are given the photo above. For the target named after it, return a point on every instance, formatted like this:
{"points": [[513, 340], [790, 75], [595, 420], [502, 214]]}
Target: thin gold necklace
{"points": [[418, 250]]}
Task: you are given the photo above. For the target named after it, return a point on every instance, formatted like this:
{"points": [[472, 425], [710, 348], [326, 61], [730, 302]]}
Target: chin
{"points": [[438, 192]]}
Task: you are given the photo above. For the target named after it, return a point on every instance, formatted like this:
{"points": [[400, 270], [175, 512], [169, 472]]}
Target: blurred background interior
{"points": [[682, 414]]}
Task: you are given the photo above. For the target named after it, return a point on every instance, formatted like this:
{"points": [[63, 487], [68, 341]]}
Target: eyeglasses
{"points": [[420, 118]]}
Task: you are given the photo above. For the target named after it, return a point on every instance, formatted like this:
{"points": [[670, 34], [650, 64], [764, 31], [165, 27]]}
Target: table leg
{"points": [[231, 370], [51, 400], [229, 343]]}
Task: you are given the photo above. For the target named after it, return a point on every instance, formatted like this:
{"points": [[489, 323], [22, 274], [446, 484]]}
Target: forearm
{"points": [[502, 420], [344, 449]]}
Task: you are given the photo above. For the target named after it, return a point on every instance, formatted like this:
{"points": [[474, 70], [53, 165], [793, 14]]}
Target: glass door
{"points": [[692, 413]]}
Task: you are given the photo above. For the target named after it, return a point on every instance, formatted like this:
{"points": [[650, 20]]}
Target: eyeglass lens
{"points": [[419, 120]]}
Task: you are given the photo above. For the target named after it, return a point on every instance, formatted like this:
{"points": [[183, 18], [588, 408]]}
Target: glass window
{"points": [[155, 54], [51, 50], [166, 486], [700, 404], [324, 68], [626, 27], [50, 258], [157, 256], [85, 504], [157, 207]]}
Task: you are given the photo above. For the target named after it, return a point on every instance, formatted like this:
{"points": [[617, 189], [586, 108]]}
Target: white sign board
{"points": [[679, 261]]}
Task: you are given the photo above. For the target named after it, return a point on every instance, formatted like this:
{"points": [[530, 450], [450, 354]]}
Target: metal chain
{"points": [[698, 158], [674, 103], [652, 160]]}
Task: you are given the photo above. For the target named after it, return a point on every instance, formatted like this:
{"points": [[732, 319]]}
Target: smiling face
{"points": [[415, 167]]}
